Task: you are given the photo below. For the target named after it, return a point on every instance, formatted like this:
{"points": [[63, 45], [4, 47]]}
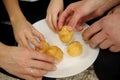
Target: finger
{"points": [[79, 27], [68, 19], [114, 49], [50, 23], [38, 34], [25, 42], [35, 37], [19, 43], [80, 24], [97, 39], [28, 77], [90, 31], [43, 57], [77, 17], [38, 78], [36, 72], [43, 65], [105, 44], [33, 40], [54, 20], [63, 17]]}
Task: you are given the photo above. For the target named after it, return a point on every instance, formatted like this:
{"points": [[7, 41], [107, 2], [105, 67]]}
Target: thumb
{"points": [[75, 20]]}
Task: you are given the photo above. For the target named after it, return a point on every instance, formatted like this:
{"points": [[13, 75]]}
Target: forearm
{"points": [[102, 5], [13, 9]]}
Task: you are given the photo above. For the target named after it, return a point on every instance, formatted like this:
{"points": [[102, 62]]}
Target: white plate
{"points": [[69, 66]]}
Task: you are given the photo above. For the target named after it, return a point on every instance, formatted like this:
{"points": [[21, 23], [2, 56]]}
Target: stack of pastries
{"points": [[73, 49], [53, 51]]}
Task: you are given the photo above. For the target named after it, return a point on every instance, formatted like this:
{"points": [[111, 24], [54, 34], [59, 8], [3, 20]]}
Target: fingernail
{"points": [[70, 28], [40, 47]]}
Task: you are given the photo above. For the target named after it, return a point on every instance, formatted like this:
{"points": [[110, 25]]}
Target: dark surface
{"points": [[33, 12], [107, 65]]}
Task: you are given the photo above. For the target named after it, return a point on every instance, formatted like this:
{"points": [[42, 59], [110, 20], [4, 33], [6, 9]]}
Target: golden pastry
{"points": [[65, 35], [55, 52], [44, 45], [74, 48]]}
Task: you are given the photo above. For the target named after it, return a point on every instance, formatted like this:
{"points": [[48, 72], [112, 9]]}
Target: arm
{"points": [[13, 9], [23, 30], [19, 61]]}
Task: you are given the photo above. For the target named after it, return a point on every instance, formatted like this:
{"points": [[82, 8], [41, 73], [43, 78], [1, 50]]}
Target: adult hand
{"points": [[24, 63], [24, 33], [105, 32], [23, 30], [55, 8], [82, 11]]}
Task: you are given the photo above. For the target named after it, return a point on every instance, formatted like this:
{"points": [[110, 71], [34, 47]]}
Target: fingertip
{"points": [[80, 28], [71, 25], [59, 28], [70, 28], [38, 46], [41, 38]]}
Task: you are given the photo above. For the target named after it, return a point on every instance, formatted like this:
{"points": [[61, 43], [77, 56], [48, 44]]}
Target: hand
{"points": [[55, 8], [23, 30], [24, 63], [24, 33], [105, 32], [82, 11]]}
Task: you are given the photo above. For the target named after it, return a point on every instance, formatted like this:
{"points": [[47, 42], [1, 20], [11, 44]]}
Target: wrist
{"points": [[17, 17], [3, 51]]}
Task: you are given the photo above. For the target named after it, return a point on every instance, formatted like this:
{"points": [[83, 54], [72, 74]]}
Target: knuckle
{"points": [[43, 65], [93, 43], [102, 46], [42, 72], [98, 13], [84, 34]]}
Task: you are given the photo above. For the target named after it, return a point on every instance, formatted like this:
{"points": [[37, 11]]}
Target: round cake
{"points": [[65, 35], [74, 48]]}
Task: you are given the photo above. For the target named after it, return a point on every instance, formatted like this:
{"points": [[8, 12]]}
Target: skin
{"points": [[24, 32], [82, 11], [105, 32], [54, 10], [20, 60]]}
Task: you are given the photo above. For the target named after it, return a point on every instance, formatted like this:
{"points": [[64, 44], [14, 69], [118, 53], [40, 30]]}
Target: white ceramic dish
{"points": [[69, 66]]}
